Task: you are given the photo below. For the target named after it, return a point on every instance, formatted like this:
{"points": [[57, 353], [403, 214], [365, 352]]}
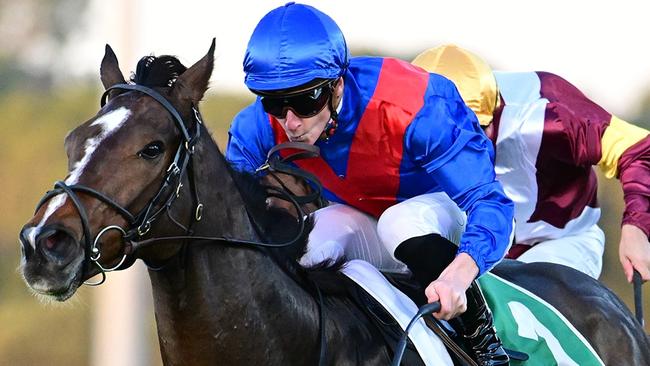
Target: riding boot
{"points": [[427, 256], [480, 335]]}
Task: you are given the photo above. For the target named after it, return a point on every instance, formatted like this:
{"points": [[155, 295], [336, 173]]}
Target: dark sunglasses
{"points": [[304, 104]]}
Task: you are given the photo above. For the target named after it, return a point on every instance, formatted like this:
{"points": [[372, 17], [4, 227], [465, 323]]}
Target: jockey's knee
{"points": [[422, 215], [394, 227]]}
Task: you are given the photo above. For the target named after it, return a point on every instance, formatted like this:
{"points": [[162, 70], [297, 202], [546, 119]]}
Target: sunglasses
{"points": [[304, 105]]}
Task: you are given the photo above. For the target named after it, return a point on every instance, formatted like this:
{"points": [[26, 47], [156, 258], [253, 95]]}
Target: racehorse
{"points": [[227, 300]]}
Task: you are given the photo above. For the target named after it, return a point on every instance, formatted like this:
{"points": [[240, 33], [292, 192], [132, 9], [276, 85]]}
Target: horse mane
{"points": [[275, 225], [157, 71], [272, 224]]}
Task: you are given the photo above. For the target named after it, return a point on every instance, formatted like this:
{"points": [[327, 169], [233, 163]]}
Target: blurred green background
{"points": [[37, 109]]}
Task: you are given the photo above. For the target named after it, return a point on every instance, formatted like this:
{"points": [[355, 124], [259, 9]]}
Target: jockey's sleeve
{"points": [[445, 139], [249, 139], [578, 131], [634, 173]]}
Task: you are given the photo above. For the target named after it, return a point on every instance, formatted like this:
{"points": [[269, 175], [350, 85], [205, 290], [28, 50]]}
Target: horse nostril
{"points": [[26, 247], [55, 244]]}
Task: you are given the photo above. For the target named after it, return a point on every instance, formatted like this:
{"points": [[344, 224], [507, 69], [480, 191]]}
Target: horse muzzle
{"points": [[52, 260]]}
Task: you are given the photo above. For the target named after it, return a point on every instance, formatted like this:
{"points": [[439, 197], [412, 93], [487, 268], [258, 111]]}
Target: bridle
{"points": [[138, 225]]}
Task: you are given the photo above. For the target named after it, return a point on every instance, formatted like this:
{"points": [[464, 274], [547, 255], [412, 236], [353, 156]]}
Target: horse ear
{"points": [[109, 71], [193, 83]]}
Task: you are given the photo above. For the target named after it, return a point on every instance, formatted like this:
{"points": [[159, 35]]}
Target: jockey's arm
{"points": [[626, 155], [621, 150]]}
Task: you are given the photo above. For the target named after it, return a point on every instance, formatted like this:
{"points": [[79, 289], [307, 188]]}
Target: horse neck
{"points": [[225, 297]]}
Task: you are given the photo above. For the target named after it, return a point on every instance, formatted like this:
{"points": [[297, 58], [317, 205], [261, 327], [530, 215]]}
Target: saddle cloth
{"points": [[527, 323], [402, 309], [524, 321]]}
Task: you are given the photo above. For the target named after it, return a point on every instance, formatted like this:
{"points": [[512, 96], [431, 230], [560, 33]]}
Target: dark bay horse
{"points": [[215, 304], [224, 302]]}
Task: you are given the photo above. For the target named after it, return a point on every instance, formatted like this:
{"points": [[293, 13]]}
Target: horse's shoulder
{"points": [[542, 276]]}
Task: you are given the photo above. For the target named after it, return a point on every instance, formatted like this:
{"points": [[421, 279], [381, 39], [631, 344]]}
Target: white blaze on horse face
{"points": [[110, 122]]}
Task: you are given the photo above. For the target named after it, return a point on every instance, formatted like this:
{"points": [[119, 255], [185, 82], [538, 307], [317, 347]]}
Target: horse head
{"points": [[125, 167]]}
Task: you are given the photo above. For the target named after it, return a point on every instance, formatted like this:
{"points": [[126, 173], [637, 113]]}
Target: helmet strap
{"points": [[330, 127]]}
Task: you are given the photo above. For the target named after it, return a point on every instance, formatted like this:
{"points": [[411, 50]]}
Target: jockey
{"points": [[548, 136], [402, 158]]}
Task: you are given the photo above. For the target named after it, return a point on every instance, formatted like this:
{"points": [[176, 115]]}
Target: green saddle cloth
{"points": [[529, 324]]}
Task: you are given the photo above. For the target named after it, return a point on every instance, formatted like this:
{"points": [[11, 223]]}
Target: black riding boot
{"points": [[427, 256], [480, 334]]}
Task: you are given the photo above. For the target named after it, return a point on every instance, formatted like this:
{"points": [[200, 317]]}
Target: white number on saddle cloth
{"points": [[530, 327], [527, 323]]}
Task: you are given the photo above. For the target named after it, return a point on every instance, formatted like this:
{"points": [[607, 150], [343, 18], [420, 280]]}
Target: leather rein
{"points": [[140, 223]]}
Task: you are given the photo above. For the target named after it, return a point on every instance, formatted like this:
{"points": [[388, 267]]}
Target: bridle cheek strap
{"points": [[169, 190]]}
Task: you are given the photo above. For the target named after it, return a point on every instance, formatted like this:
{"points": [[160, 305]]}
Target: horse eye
{"points": [[152, 150]]}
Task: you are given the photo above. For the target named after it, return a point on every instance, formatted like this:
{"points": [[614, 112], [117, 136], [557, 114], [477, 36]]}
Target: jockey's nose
{"points": [[292, 122]]}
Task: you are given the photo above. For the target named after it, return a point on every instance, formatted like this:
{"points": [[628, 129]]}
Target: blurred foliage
{"points": [[31, 151], [43, 25], [643, 118]]}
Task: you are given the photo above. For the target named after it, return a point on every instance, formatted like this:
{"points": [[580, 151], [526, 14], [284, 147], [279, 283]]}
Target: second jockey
{"points": [[548, 137]]}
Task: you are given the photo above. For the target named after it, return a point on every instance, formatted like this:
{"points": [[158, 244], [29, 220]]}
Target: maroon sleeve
{"points": [[634, 173], [573, 130], [573, 125]]}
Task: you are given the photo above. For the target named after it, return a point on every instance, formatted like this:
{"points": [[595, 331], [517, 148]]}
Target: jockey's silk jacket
{"points": [[548, 136], [401, 132]]}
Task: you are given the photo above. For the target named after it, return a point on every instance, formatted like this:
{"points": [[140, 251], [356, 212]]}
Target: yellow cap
{"points": [[473, 77]]}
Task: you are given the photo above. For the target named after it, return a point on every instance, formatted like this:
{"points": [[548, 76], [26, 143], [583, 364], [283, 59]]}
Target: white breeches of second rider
{"points": [[342, 231], [583, 251]]}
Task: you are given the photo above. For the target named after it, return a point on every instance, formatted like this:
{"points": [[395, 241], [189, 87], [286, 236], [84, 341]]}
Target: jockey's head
{"points": [[295, 59], [473, 77]]}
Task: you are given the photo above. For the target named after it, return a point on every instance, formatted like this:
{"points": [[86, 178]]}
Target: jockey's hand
{"points": [[634, 252], [451, 286]]}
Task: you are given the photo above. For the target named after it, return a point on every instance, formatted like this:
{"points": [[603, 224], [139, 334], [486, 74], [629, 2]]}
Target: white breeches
{"points": [[340, 230], [583, 252]]}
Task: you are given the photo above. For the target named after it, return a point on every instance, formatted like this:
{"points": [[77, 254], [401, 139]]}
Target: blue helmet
{"points": [[293, 45]]}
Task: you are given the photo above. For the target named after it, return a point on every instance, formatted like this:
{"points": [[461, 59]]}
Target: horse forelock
{"points": [[158, 71]]}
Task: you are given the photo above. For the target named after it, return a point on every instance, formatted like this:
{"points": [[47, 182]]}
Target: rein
{"points": [[140, 224], [638, 297]]}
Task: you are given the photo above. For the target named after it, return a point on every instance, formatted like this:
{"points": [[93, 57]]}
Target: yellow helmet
{"points": [[473, 77]]}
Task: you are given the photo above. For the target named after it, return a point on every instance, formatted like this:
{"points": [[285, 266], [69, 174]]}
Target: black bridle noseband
{"points": [[139, 224]]}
